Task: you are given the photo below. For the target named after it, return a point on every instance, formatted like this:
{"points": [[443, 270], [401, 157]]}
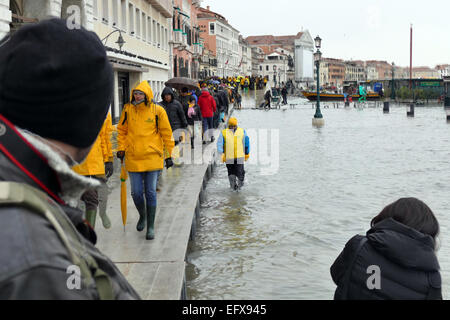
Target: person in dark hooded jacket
{"points": [[193, 115], [174, 110], [396, 259]]}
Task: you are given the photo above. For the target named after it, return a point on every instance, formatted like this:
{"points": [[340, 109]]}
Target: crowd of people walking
{"points": [[55, 151]]}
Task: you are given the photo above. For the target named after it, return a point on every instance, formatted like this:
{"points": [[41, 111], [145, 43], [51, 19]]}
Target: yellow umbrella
{"points": [[123, 195]]}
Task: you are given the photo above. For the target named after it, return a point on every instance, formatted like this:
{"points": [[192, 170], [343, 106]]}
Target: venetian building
{"points": [[135, 34]]}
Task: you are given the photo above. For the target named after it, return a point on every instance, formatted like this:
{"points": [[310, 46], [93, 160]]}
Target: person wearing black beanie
{"points": [[56, 85], [56, 82]]}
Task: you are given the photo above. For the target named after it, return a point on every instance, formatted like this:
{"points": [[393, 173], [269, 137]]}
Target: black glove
{"points": [[109, 169], [169, 163], [121, 155]]}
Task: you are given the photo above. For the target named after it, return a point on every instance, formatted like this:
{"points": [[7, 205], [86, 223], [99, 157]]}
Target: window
{"points": [[154, 32], [115, 17], [138, 23], [158, 29], [144, 27], [212, 28], [167, 39], [267, 68], [95, 9], [149, 27], [105, 12], [131, 18], [124, 14]]}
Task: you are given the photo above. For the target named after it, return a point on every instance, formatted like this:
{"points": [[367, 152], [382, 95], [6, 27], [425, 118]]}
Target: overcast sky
{"points": [[351, 29]]}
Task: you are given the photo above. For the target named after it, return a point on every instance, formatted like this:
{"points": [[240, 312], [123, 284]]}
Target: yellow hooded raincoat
{"points": [[101, 152], [143, 133]]}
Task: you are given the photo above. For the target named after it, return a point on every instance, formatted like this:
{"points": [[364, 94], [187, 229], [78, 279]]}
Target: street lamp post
{"points": [[275, 74], [318, 120], [119, 41], [393, 82]]}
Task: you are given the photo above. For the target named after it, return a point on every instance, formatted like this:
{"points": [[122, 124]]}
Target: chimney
{"points": [[207, 8]]}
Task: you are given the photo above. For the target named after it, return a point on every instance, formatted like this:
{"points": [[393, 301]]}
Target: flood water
{"points": [[278, 237]]}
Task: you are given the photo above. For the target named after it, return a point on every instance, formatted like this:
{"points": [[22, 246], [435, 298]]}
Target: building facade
{"points": [[304, 58], [222, 39], [16, 13], [257, 60], [355, 71], [444, 70], [323, 71], [300, 47], [208, 64], [144, 26], [372, 73], [335, 71], [425, 73], [276, 66], [245, 58], [383, 69], [185, 40]]}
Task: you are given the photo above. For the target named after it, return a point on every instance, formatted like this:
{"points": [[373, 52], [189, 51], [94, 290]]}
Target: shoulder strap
{"points": [[23, 195], [349, 270]]}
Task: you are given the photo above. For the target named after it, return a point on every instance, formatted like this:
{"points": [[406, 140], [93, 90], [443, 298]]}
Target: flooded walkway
{"points": [[278, 238]]}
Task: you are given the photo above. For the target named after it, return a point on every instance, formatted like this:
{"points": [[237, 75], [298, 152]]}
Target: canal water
{"points": [[278, 237]]}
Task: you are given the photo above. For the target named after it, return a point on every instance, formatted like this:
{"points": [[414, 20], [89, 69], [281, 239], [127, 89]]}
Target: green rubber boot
{"points": [[141, 223], [151, 213], [105, 220], [91, 216], [102, 205]]}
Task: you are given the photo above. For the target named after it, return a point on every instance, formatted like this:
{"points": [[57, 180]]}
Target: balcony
{"points": [[197, 49], [163, 6], [177, 38]]}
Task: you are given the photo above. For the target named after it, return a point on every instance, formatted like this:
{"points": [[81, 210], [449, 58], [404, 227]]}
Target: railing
{"points": [[197, 50], [177, 37]]}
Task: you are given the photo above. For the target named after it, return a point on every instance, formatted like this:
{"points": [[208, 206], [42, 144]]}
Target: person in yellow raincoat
{"points": [[98, 165], [103, 191], [143, 133], [234, 145]]}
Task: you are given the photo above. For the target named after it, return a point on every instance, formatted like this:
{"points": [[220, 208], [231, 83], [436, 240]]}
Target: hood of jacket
{"points": [[205, 94], [166, 91], [145, 88], [404, 245], [72, 184]]}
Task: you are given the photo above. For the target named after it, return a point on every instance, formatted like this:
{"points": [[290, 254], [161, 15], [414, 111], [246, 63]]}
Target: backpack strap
{"points": [[23, 195], [349, 270]]}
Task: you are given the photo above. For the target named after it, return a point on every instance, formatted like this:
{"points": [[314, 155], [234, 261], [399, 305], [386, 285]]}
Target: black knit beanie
{"points": [[56, 82]]}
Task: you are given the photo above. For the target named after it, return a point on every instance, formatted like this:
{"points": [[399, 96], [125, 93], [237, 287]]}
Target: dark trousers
{"points": [[207, 124], [285, 98], [216, 119], [237, 169]]}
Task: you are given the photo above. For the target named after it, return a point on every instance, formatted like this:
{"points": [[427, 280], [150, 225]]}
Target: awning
{"points": [[128, 67]]}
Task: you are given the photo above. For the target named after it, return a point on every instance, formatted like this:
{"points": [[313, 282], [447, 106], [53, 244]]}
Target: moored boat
{"points": [[312, 96]]}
